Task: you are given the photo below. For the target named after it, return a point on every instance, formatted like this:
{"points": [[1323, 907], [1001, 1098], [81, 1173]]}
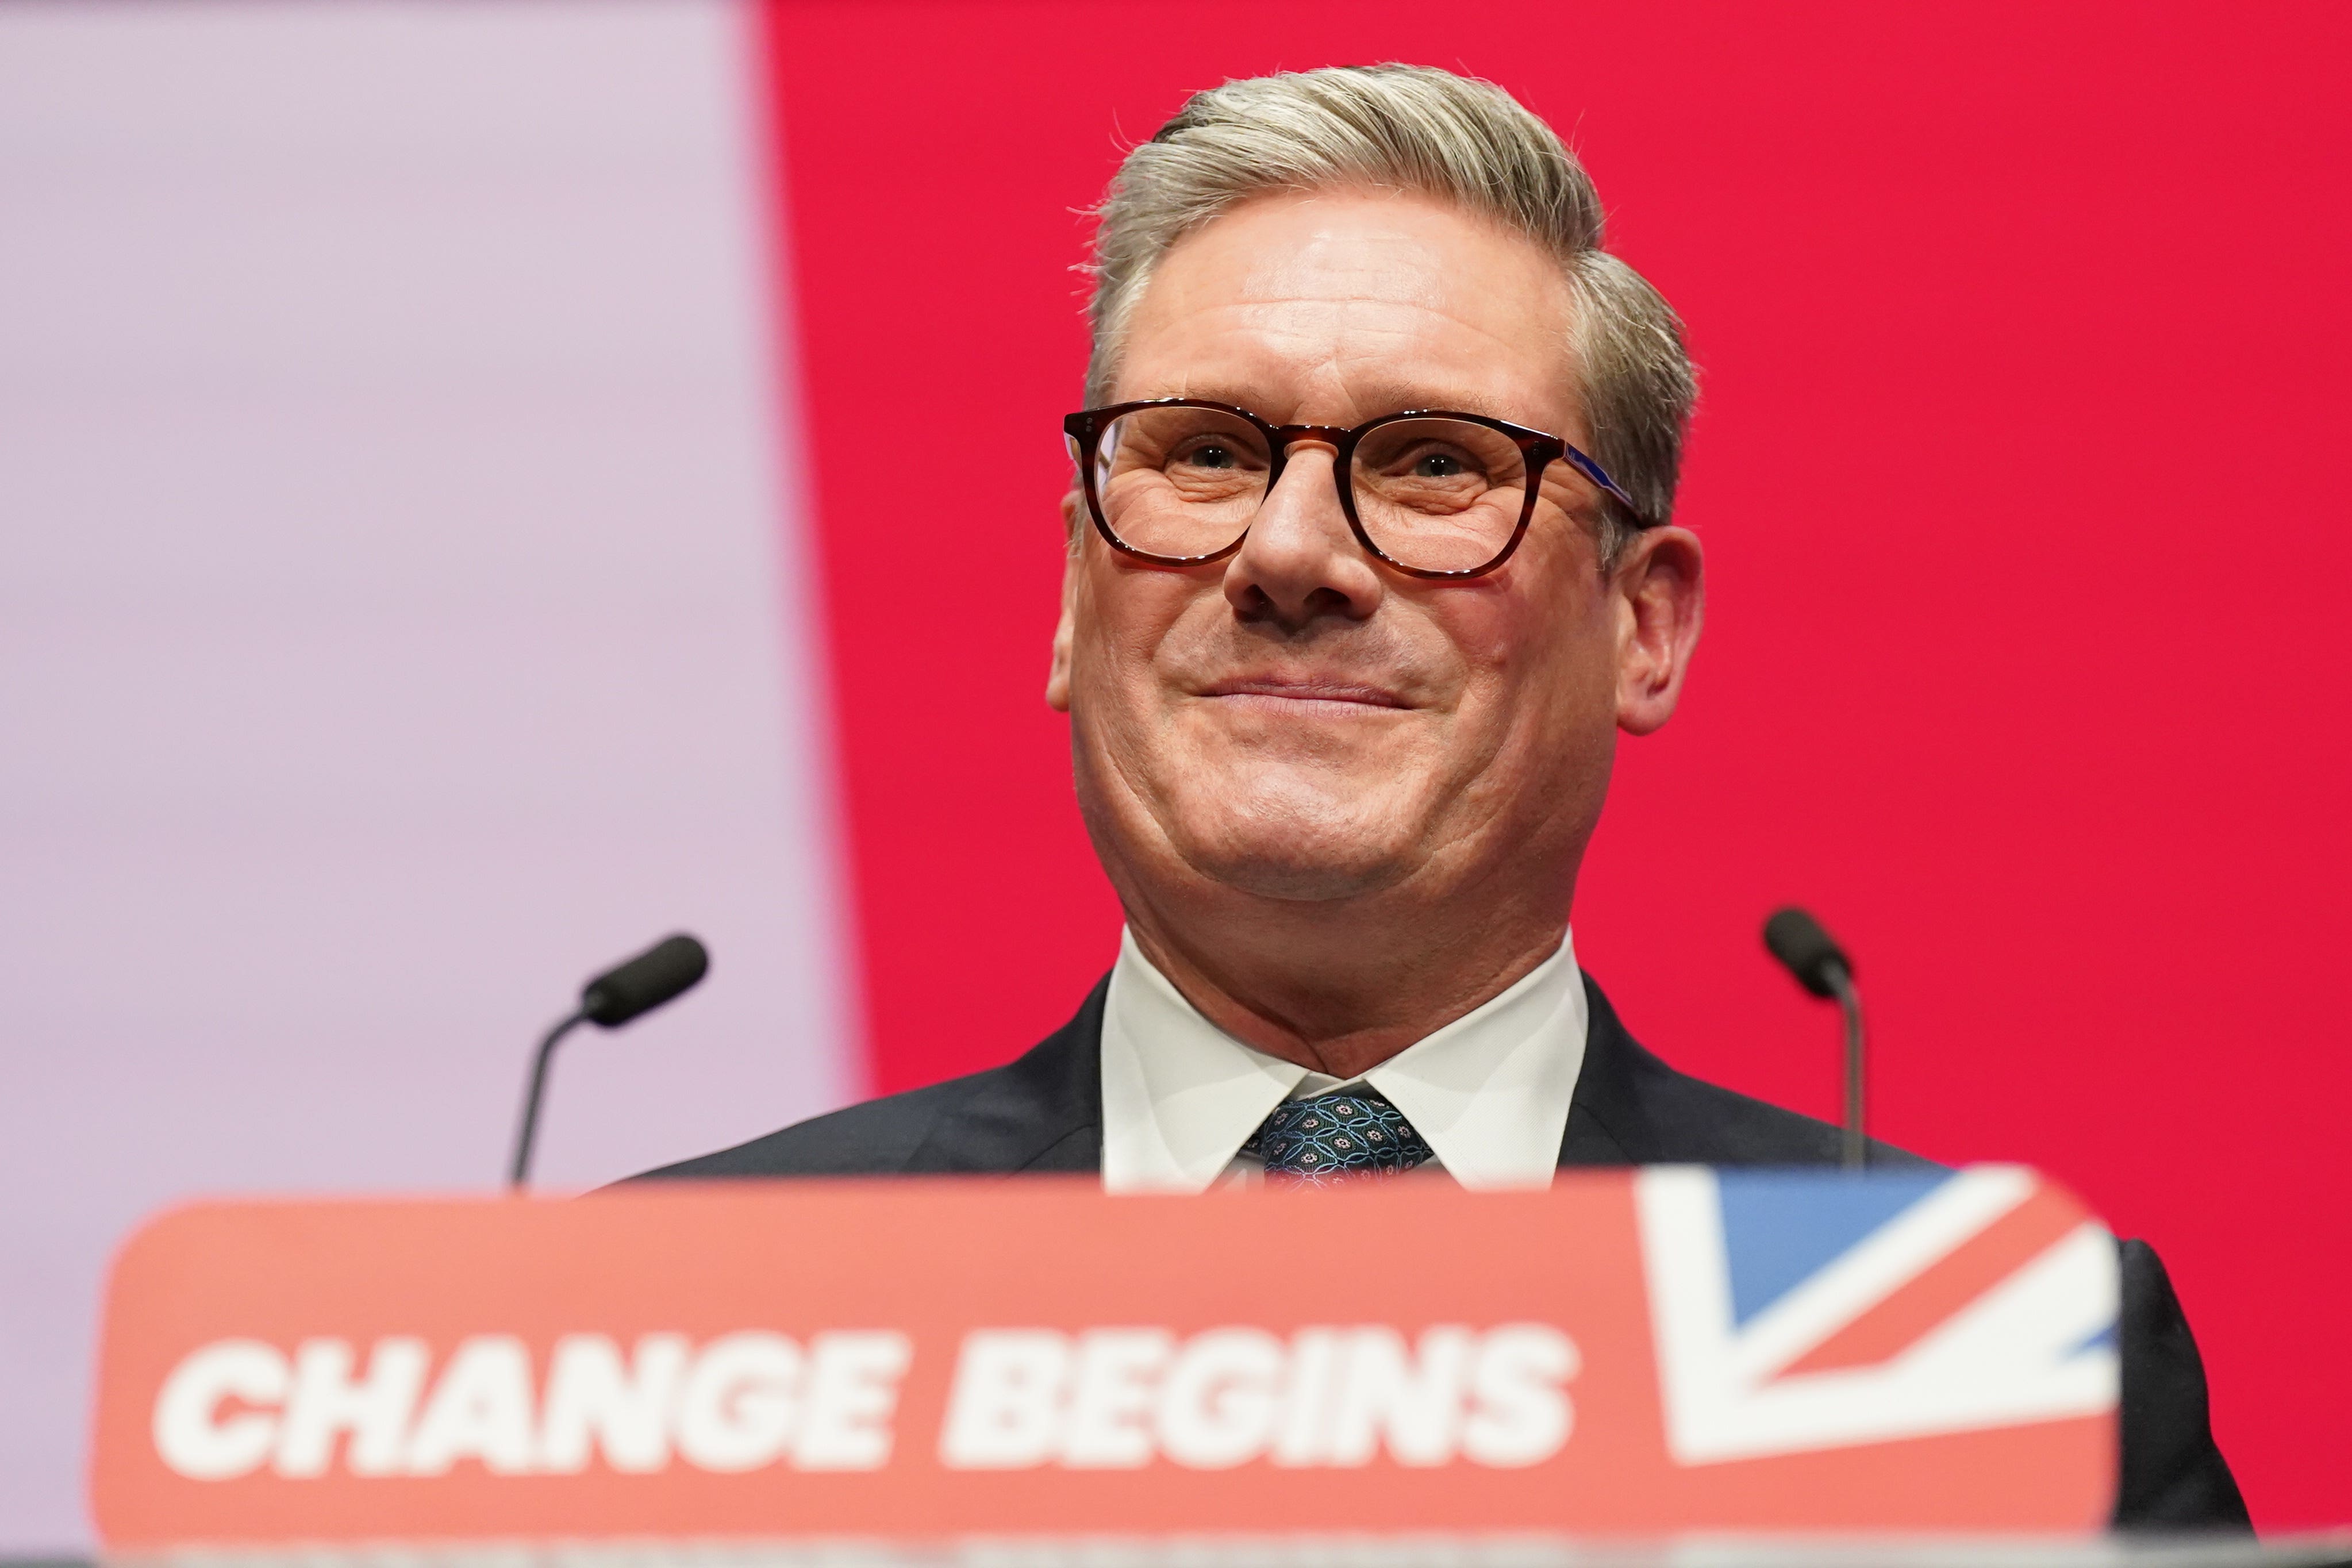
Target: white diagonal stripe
{"points": [[1897, 1251]]}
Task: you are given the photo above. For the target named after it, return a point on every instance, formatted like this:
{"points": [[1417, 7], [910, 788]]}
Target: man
{"points": [[1345, 677]]}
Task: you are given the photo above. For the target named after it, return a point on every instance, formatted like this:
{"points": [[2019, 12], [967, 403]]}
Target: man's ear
{"points": [[1660, 589], [1057, 678]]}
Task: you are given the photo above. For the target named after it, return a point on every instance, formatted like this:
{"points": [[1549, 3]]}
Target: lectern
{"points": [[1667, 1364]]}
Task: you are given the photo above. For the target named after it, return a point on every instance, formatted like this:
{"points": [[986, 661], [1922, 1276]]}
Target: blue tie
{"points": [[1335, 1137]]}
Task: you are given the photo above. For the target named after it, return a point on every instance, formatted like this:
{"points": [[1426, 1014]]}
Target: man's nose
{"points": [[1301, 560]]}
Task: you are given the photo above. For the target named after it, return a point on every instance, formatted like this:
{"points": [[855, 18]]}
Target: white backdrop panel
{"points": [[402, 617]]}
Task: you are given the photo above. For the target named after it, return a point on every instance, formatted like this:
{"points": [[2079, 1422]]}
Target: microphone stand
{"points": [[668, 969], [1854, 1147], [520, 1175]]}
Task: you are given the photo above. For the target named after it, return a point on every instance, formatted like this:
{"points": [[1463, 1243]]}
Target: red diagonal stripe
{"points": [[1971, 1269]]}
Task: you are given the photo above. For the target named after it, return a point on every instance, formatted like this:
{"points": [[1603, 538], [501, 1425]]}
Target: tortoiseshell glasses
{"points": [[1177, 482]]}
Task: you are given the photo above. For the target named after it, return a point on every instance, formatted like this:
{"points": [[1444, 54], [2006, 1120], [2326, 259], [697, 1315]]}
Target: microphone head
{"points": [[1806, 951], [663, 971]]}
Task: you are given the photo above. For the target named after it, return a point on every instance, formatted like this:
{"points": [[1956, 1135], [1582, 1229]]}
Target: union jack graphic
{"points": [[1796, 1311]]}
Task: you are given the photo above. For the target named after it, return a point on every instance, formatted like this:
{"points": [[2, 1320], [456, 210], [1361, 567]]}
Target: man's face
{"points": [[1300, 721]]}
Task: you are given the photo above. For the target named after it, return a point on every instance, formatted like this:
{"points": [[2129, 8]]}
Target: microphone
{"points": [[663, 972], [1821, 967], [669, 968]]}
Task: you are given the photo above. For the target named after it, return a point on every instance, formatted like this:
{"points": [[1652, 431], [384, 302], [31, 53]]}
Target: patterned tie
{"points": [[1336, 1137]]}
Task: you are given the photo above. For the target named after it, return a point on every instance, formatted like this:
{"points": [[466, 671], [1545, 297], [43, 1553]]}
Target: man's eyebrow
{"points": [[1449, 400], [1204, 392], [1377, 401]]}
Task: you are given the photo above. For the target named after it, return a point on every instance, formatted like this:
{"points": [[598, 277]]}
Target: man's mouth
{"points": [[1306, 691]]}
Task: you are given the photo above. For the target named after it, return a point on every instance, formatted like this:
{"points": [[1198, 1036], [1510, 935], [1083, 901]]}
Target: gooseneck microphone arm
{"points": [[1854, 1147], [669, 967], [519, 1175], [1821, 967]]}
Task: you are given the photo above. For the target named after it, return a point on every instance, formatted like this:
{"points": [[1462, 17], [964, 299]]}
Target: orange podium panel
{"points": [[1627, 1354]]}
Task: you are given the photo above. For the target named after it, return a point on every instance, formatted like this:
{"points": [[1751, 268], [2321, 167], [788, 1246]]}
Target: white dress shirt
{"points": [[1488, 1092]]}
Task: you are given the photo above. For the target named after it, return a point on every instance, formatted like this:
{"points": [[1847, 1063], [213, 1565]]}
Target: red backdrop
{"points": [[2024, 334]]}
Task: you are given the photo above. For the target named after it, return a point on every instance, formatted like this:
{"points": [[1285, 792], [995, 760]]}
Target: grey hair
{"points": [[1418, 129]]}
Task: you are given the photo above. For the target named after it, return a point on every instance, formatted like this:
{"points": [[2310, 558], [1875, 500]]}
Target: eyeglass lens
{"points": [[1435, 494]]}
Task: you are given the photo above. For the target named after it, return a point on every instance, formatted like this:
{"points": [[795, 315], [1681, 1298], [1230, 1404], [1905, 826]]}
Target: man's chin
{"points": [[1312, 866]]}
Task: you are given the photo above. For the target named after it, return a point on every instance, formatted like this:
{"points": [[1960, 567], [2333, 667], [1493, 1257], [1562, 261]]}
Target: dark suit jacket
{"points": [[1044, 1113]]}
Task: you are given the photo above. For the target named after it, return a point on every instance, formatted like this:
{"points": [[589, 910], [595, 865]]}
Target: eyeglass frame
{"points": [[1538, 450]]}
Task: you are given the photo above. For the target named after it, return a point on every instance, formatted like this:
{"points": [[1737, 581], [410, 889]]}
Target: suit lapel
{"points": [[1041, 1112], [1607, 1123]]}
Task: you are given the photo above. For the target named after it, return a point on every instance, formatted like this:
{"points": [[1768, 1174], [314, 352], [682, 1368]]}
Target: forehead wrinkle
{"points": [[1282, 316]]}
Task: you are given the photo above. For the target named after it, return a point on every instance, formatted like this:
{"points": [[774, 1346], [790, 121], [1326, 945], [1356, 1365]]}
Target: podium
{"points": [[1672, 1364], [1711, 1551]]}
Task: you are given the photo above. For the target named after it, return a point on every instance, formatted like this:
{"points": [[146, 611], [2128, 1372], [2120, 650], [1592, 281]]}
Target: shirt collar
{"points": [[1489, 1092]]}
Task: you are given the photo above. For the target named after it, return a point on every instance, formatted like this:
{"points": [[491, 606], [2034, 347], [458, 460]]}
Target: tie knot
{"points": [[1332, 1137]]}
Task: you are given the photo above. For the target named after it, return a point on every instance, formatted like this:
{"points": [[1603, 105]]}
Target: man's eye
{"points": [[1439, 466], [1211, 456]]}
